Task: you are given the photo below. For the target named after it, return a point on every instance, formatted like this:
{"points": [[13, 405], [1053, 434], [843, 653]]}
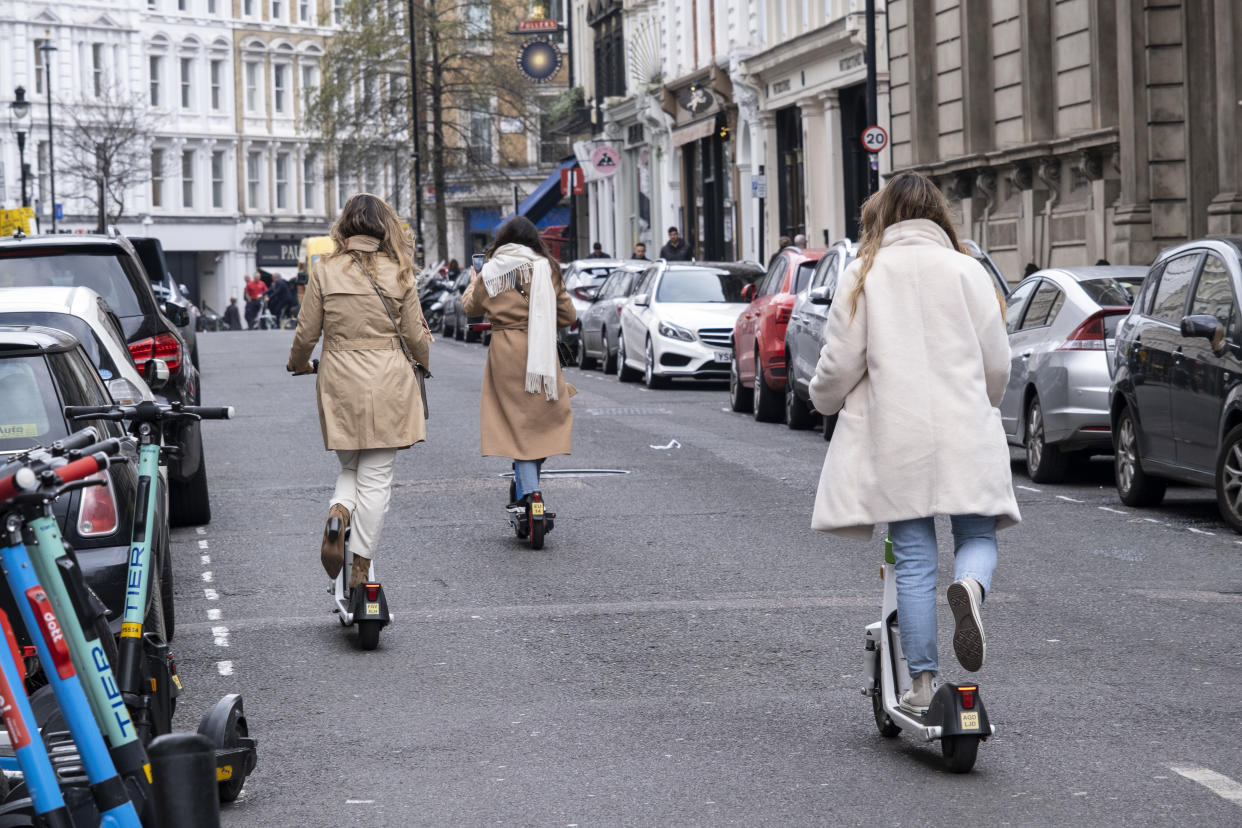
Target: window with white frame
{"points": [[187, 178], [478, 19], [40, 67], [97, 69], [480, 147], [304, 11], [152, 4], [157, 178], [217, 84], [182, 5], [310, 81], [187, 79], [280, 81], [278, 10], [155, 65], [282, 180], [254, 179], [252, 86], [338, 12], [217, 179], [309, 189], [211, 6], [247, 8]]}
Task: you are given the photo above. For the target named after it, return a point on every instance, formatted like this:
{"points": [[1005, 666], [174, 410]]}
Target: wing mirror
{"points": [[642, 300], [1206, 326], [748, 292], [185, 291], [156, 373], [819, 296], [176, 314]]}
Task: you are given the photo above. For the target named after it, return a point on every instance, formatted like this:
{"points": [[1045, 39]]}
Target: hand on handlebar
{"points": [[311, 367]]}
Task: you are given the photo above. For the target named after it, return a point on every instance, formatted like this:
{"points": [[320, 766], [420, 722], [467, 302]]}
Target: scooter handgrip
{"points": [[77, 440], [81, 412], [84, 467], [210, 412], [8, 487], [110, 447]]}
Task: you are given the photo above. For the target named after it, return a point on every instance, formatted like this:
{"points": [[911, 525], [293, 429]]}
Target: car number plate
{"points": [[373, 609], [724, 356], [970, 721], [536, 509]]}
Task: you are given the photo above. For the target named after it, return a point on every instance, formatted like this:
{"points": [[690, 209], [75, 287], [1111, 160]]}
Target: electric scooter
{"points": [[956, 716], [529, 520]]}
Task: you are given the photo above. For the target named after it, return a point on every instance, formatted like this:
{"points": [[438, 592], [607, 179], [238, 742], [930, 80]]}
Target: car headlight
{"points": [[675, 332]]}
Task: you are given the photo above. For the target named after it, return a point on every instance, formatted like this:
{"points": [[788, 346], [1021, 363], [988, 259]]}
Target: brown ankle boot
{"points": [[360, 571], [332, 551]]}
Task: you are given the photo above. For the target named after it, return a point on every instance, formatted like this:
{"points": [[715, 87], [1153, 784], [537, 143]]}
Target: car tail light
{"points": [[583, 293], [782, 315], [97, 514], [619, 307], [163, 346], [1091, 334]]}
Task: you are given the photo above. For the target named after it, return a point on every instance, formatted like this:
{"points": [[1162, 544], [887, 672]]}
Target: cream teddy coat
{"points": [[917, 375]]}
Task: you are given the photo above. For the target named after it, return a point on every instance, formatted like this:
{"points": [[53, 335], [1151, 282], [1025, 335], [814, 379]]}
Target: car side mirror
{"points": [[156, 373], [1207, 326], [642, 300], [176, 314], [748, 292], [185, 291], [819, 296], [591, 293]]}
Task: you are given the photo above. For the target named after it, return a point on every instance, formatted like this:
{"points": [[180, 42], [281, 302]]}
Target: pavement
{"points": [[684, 650]]}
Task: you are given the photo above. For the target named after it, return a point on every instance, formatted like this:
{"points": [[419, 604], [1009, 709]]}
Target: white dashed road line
{"points": [[1201, 531], [210, 594], [213, 614], [208, 577], [202, 544], [219, 633], [225, 667], [1114, 511], [1028, 488], [1068, 499], [1217, 783], [205, 560]]}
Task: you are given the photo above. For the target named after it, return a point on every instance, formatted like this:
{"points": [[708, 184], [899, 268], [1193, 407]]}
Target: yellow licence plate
{"points": [[970, 721], [372, 609], [536, 509]]}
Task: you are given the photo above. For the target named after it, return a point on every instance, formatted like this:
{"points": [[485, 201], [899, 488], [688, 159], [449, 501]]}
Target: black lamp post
{"points": [[414, 139], [47, 48], [20, 108]]}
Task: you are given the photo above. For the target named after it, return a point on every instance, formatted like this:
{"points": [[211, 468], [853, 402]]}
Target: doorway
{"points": [[855, 160]]}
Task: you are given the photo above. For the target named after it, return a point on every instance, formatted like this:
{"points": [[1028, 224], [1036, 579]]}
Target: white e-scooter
{"points": [[956, 715]]}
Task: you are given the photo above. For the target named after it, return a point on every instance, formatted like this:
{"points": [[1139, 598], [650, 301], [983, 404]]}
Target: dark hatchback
{"points": [[1176, 397], [110, 266], [41, 371]]}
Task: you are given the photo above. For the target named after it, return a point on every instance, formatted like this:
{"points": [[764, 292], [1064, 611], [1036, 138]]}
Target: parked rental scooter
{"points": [[956, 715]]}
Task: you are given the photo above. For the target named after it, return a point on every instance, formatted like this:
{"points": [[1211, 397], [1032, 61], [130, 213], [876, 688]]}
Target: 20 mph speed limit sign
{"points": [[874, 139]]}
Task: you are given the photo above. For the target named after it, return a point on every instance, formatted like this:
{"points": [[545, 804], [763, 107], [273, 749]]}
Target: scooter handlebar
{"points": [[77, 440], [101, 412], [25, 479], [209, 412], [83, 467]]}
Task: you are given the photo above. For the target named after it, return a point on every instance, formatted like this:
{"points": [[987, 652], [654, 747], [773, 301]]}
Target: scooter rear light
{"points": [[372, 592], [97, 514], [968, 697]]}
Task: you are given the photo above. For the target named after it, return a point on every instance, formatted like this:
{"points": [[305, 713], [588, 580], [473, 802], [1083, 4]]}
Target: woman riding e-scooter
{"points": [[916, 362], [524, 412]]}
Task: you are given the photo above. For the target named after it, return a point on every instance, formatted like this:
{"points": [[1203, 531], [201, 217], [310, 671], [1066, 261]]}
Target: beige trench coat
{"points": [[368, 396], [917, 376], [514, 423]]}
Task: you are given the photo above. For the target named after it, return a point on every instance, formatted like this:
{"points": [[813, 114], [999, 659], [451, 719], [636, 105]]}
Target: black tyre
{"points": [[1135, 487], [1229, 479], [368, 634], [882, 721], [166, 592], [960, 752], [435, 322], [230, 789], [585, 361], [1045, 463], [797, 415], [536, 534], [739, 393], [460, 333], [650, 378], [829, 424], [624, 372], [512, 491], [188, 501], [767, 405], [610, 356]]}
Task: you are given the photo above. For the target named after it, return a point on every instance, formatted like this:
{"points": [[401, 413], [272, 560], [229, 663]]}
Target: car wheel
{"points": [[435, 322], [1044, 463], [188, 502], [797, 415], [739, 394], [1229, 479], [610, 357], [766, 406], [1135, 486], [585, 361], [650, 378], [624, 372]]}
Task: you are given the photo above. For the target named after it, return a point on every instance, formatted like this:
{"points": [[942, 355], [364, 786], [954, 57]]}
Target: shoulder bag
{"points": [[420, 371]]}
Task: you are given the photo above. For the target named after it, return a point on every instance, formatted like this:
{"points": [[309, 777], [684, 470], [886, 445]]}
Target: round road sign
{"points": [[874, 139]]}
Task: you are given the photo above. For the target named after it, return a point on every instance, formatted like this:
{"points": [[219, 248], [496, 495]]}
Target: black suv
{"points": [[1177, 368], [110, 266], [41, 371]]}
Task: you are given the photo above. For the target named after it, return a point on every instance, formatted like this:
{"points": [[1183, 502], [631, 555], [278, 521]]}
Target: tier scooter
{"points": [[956, 716]]}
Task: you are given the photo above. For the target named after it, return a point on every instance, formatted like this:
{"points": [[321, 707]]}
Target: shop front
{"points": [[702, 136]]}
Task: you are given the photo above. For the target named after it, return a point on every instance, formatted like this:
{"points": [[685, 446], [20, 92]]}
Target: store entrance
{"points": [[855, 159]]}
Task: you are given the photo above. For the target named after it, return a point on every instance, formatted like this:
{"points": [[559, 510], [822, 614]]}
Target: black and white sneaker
{"points": [[965, 597]]}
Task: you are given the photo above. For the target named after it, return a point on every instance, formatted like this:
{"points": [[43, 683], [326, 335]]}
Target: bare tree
{"points": [[107, 151]]}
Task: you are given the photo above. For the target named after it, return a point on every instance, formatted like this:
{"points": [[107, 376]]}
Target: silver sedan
{"points": [[1061, 324]]}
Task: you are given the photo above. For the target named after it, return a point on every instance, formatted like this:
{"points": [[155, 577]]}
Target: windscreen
{"points": [[702, 285], [588, 277], [29, 408], [100, 271], [1112, 291]]}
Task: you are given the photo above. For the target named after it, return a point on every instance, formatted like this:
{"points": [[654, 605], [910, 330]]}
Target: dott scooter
{"points": [[365, 607], [146, 672], [956, 715]]}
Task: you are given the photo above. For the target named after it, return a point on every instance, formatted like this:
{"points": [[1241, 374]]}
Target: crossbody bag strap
{"points": [[400, 339]]}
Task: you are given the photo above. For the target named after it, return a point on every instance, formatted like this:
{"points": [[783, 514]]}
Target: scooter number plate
{"points": [[373, 609], [536, 509], [970, 721]]}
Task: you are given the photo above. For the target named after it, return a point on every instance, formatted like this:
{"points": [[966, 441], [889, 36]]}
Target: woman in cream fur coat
{"points": [[915, 362]]}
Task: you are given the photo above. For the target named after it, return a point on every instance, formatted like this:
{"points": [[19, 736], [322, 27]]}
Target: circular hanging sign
{"points": [[606, 160], [874, 139], [538, 59]]}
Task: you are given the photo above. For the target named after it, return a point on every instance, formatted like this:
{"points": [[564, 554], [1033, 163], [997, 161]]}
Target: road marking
{"points": [[1070, 499], [205, 559], [210, 594], [213, 614], [1201, 531], [202, 544], [200, 530], [207, 576], [1114, 511], [225, 667], [221, 636], [1030, 488], [360, 802], [1217, 783]]}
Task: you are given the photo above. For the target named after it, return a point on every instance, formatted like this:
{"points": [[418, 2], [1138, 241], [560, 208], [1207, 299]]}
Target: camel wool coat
{"points": [[916, 377], [513, 423], [368, 396]]}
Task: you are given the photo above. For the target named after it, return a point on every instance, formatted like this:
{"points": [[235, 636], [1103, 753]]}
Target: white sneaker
{"points": [[965, 597], [918, 698]]}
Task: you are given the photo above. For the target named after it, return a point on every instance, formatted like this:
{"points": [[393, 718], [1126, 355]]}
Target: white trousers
{"points": [[364, 487]]}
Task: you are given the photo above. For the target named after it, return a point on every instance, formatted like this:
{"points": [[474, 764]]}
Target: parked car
{"points": [[109, 265], [981, 256], [804, 335], [1175, 406], [81, 312], [1061, 323], [757, 370], [174, 298], [41, 371], [583, 279], [680, 319], [601, 322]]}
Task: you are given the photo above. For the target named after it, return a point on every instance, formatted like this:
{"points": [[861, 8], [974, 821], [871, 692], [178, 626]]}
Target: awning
{"points": [[544, 197], [694, 130]]}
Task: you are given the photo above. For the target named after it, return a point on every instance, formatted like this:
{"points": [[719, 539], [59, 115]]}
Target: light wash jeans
{"points": [[914, 547], [526, 476], [364, 487]]}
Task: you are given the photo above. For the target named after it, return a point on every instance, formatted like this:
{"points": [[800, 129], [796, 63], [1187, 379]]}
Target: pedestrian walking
{"points": [[362, 299], [597, 252], [799, 241], [676, 249], [254, 298], [280, 298], [232, 316], [524, 410], [640, 252], [915, 364]]}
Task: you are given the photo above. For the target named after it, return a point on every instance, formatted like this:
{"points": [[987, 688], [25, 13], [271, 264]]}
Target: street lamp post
{"points": [[417, 195], [47, 48], [20, 108]]}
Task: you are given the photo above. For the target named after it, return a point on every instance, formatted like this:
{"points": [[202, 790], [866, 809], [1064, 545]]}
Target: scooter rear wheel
{"points": [[883, 723], [536, 534], [959, 752], [368, 634]]}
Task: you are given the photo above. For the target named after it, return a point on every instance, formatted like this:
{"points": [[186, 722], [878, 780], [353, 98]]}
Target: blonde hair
{"points": [[906, 196], [369, 215]]}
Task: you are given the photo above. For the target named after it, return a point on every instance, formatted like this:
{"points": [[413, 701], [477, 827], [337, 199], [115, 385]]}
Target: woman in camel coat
{"points": [[524, 411], [915, 361], [369, 401]]}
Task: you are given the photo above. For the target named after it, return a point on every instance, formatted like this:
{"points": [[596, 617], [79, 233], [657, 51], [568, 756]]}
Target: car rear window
{"points": [[68, 323], [588, 277], [29, 407], [1109, 291], [701, 285], [99, 270]]}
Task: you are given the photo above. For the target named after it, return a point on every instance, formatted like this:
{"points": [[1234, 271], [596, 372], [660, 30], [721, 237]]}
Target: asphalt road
{"points": [[685, 650]]}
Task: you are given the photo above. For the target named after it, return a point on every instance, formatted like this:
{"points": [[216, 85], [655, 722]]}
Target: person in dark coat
{"points": [[597, 252], [232, 316], [280, 299], [676, 250]]}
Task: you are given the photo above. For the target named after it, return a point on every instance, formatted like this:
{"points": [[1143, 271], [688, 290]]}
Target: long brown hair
{"points": [[906, 196], [369, 215], [521, 230]]}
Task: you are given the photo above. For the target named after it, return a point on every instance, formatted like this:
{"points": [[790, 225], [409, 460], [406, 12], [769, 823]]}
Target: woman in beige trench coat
{"points": [[524, 412], [369, 400]]}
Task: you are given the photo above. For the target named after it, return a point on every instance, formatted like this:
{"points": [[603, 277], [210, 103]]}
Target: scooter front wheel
{"points": [[368, 634], [959, 752], [888, 729]]}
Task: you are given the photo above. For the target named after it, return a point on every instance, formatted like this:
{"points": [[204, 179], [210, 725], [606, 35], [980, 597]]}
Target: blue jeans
{"points": [[914, 547], [526, 476]]}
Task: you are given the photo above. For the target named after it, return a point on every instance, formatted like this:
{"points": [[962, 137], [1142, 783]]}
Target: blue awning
{"points": [[540, 202]]}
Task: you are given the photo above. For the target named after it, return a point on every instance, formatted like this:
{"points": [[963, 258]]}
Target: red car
{"points": [[757, 375]]}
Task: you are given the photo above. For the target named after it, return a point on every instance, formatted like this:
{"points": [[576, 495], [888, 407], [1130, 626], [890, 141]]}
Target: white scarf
{"points": [[510, 264]]}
